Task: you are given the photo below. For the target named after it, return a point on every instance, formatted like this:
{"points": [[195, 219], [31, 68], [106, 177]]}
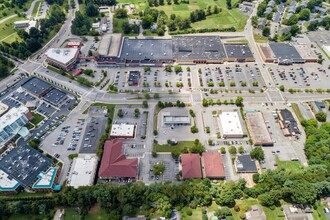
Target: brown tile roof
{"points": [[114, 162], [213, 165], [191, 166]]}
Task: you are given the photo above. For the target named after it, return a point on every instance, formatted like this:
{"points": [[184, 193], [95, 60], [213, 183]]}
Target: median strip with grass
{"points": [[297, 111]]}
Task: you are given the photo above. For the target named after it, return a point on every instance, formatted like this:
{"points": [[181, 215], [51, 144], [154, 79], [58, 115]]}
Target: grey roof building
{"points": [[320, 10], [245, 164], [24, 164], [285, 53], [262, 23]]}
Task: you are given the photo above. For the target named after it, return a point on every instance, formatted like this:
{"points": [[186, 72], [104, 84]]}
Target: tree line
{"points": [[34, 40], [5, 66]]}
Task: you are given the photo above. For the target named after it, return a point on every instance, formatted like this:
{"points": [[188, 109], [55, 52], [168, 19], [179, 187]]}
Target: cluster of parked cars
{"points": [[76, 135]]}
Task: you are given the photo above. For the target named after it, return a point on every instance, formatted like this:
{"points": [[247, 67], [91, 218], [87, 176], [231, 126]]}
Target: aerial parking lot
{"points": [[311, 76]]}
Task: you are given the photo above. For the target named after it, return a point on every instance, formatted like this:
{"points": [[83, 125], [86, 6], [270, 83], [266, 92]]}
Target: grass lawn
{"points": [[297, 111], [276, 214], [238, 41], [11, 38], [168, 148], [319, 214], [244, 206], [289, 165], [196, 214], [35, 9], [10, 11], [117, 23], [96, 213], [71, 214], [225, 19], [149, 33], [7, 27], [260, 39], [37, 118]]}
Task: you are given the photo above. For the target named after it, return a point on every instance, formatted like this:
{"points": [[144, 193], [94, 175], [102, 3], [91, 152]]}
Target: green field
{"points": [[259, 38], [37, 118], [297, 111], [35, 9], [289, 165], [168, 148], [7, 28], [10, 11], [225, 19]]}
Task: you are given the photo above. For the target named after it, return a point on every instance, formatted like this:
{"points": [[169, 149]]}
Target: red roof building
{"points": [[114, 164], [191, 166], [212, 165]]}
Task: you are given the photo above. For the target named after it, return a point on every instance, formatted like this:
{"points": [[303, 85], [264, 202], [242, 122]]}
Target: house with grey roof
{"points": [[262, 23]]}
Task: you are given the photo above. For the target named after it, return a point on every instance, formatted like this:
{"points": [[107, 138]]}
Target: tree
{"points": [[258, 153], [241, 149], [239, 101], [194, 129], [145, 104], [147, 21], [120, 13], [158, 169], [232, 150], [313, 25], [168, 68], [292, 20], [192, 113], [188, 69], [91, 9], [266, 31], [228, 4], [156, 96], [321, 116], [136, 113], [80, 24], [282, 89], [223, 150], [126, 27], [177, 69], [155, 132], [197, 147], [304, 14], [120, 113], [223, 213]]}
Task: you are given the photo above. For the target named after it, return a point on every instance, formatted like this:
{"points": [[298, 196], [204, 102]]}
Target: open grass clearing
{"points": [[196, 214], [7, 27], [290, 166], [225, 19], [35, 9], [259, 38], [168, 148], [296, 110], [7, 11], [37, 118]]}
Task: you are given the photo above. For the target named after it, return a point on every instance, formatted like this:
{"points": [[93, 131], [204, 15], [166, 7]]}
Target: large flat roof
{"points": [[141, 49], [239, 51], [284, 51], [230, 123], [12, 115], [258, 128], [36, 86], [46, 179], [62, 55], [3, 108], [122, 130], [198, 48], [83, 170], [55, 96], [7, 183], [24, 164]]}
